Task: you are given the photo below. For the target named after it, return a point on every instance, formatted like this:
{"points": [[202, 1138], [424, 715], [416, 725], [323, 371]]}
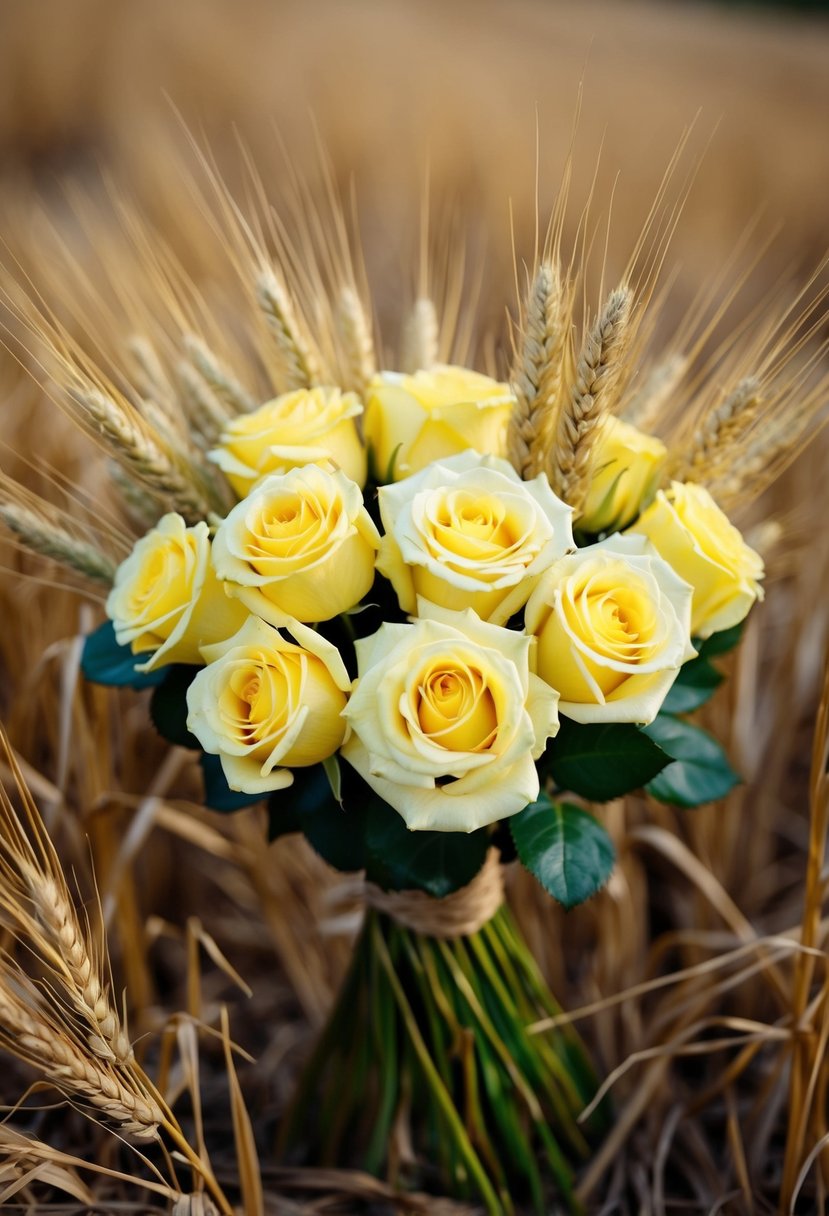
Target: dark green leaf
{"points": [[435, 862], [336, 833], [168, 705], [309, 806], [720, 643], [567, 850], [309, 792], [695, 683], [105, 662], [700, 771], [217, 793], [604, 761]]}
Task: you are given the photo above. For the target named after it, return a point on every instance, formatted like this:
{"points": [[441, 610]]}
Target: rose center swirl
{"points": [[456, 709]]}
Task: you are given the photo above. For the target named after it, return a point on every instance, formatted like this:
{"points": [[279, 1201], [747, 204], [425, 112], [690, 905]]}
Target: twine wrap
{"points": [[457, 915]]}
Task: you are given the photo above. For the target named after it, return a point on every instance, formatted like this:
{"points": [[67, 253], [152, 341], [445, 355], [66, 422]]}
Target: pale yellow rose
{"points": [[613, 629], [308, 426], [412, 420], [689, 530], [467, 532], [167, 599], [265, 705], [301, 545], [446, 720], [625, 466]]}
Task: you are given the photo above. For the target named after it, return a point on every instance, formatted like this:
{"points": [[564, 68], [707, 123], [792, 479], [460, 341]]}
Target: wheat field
{"points": [[161, 973]]}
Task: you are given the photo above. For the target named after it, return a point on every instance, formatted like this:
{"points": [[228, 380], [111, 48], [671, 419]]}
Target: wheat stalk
{"points": [[72, 958], [358, 344], [150, 378], [204, 410], [646, 404], [421, 335], [589, 400], [142, 506], [50, 540], [299, 362], [232, 397], [35, 905], [717, 439], [30, 1033], [538, 374], [142, 454]]}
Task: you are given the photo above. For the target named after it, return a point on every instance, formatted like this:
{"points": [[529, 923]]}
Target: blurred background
{"points": [[463, 88]]}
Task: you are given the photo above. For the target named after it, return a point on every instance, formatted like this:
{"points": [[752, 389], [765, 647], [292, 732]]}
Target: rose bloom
{"points": [[167, 599], [468, 532], [446, 720], [613, 629], [300, 545], [412, 420], [309, 426], [689, 530], [265, 705], [626, 464]]}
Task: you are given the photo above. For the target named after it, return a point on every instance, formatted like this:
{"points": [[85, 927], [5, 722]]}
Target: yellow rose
{"points": [[265, 705], [625, 467], [467, 532], [613, 628], [690, 531], [309, 426], [300, 545], [167, 599], [412, 420], [446, 720]]}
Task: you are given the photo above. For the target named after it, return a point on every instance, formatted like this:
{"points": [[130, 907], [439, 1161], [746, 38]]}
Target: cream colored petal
{"points": [[391, 565], [243, 775]]}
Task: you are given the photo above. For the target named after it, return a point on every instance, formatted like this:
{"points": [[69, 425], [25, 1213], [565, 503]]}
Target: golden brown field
{"points": [[699, 974]]}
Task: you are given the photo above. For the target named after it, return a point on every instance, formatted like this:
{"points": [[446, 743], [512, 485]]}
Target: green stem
{"points": [[438, 1089]]}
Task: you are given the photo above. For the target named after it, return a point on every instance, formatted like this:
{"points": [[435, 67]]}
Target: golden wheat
{"points": [[538, 373], [590, 399], [30, 1033], [49, 539], [421, 335], [718, 438], [232, 397], [298, 360], [358, 344], [141, 453], [645, 405]]}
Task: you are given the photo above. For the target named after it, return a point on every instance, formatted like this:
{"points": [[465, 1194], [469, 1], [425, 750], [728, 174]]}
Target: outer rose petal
{"points": [[689, 530], [411, 420], [441, 811], [176, 612]]}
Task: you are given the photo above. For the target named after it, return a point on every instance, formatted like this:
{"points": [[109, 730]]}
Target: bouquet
{"points": [[433, 620], [419, 672]]}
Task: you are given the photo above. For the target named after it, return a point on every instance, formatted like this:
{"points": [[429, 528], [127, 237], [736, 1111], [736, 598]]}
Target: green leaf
{"points": [[696, 683], [168, 705], [720, 643], [602, 761], [436, 862], [700, 771], [105, 662], [309, 806], [217, 793], [567, 850]]}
